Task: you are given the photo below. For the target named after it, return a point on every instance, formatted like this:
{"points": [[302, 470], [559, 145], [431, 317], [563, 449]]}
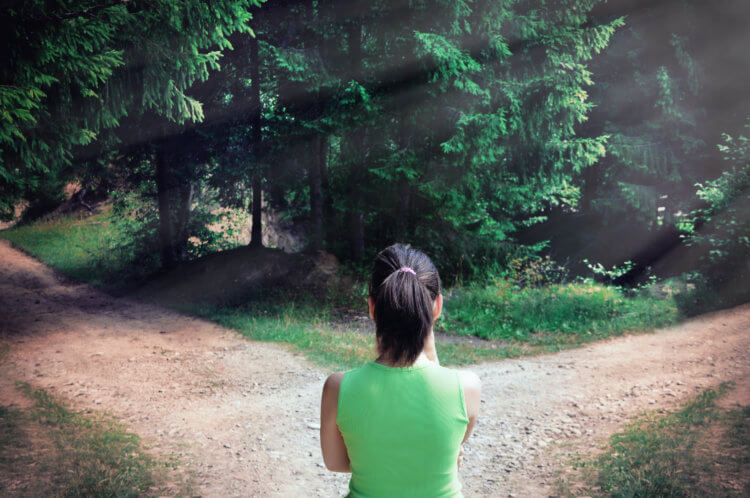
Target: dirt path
{"points": [[243, 414]]}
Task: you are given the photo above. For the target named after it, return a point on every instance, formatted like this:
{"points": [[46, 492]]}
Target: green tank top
{"points": [[403, 428]]}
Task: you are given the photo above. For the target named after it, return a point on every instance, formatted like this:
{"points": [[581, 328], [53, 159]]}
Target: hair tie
{"points": [[406, 269]]}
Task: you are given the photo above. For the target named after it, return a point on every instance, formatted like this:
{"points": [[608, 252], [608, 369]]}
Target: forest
{"points": [[480, 131], [576, 169]]}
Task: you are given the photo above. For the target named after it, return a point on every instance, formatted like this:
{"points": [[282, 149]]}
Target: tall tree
{"points": [[719, 232], [663, 91], [317, 143], [470, 114], [300, 39], [355, 141], [75, 70], [256, 139]]}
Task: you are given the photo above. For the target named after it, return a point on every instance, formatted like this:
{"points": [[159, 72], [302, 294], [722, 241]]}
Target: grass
{"points": [[91, 249], [514, 321], [556, 313], [306, 327], [699, 450], [527, 321], [49, 450], [297, 325]]}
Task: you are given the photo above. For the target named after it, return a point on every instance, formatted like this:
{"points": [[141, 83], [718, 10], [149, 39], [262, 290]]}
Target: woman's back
{"points": [[403, 428], [397, 425]]}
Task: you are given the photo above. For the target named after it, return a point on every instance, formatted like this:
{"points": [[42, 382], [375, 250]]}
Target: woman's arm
{"points": [[332, 444], [472, 388]]}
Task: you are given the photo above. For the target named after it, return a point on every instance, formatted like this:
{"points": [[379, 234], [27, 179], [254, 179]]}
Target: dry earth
{"points": [[243, 414]]}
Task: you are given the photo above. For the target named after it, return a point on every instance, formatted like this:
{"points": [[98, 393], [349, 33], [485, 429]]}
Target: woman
{"points": [[398, 423]]}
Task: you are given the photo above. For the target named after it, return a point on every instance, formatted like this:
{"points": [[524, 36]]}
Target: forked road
{"points": [[243, 415]]}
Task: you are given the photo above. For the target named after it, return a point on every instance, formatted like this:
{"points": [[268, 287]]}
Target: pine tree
{"points": [[656, 94], [76, 70], [469, 113]]}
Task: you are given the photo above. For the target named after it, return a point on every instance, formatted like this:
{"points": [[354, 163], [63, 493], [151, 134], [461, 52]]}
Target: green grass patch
{"points": [[306, 328], [556, 314], [699, 450], [94, 249], [12, 438], [516, 321], [301, 326], [50, 450], [532, 321]]}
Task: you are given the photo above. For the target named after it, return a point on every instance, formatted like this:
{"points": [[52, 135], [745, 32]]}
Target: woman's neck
{"points": [[427, 355], [388, 362]]}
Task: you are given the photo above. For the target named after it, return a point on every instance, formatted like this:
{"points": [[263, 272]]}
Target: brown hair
{"points": [[403, 284]]}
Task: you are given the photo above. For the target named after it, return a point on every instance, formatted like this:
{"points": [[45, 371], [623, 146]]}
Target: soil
{"points": [[233, 275], [242, 416]]}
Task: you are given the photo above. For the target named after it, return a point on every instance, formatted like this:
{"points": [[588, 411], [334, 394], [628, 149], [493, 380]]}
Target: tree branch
{"points": [[81, 13]]}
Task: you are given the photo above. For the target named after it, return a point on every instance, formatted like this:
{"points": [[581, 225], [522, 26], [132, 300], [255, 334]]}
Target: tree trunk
{"points": [[402, 209], [256, 236], [356, 216], [324, 184], [186, 199], [326, 194], [357, 234], [402, 206], [163, 187], [316, 199], [314, 164]]}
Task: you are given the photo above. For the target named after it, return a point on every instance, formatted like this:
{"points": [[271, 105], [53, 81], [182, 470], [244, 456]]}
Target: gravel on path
{"points": [[243, 416]]}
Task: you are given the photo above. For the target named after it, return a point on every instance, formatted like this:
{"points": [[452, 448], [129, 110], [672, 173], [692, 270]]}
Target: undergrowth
{"points": [[514, 320], [555, 313], [94, 249], [49, 450], [699, 450]]}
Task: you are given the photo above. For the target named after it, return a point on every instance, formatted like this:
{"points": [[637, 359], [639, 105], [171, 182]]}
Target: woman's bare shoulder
{"points": [[330, 395], [469, 380], [472, 388], [333, 382]]}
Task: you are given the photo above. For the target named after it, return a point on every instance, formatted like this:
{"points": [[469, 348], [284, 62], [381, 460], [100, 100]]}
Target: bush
{"points": [[135, 217], [583, 311], [47, 195], [528, 271]]}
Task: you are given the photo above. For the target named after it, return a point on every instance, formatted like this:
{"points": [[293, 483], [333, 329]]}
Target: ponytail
{"points": [[404, 284]]}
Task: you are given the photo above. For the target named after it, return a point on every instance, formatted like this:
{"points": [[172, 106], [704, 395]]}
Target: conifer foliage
{"points": [[73, 69], [451, 124]]}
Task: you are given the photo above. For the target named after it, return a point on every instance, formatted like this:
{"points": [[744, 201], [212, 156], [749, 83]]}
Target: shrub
{"points": [[581, 311], [535, 271]]}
